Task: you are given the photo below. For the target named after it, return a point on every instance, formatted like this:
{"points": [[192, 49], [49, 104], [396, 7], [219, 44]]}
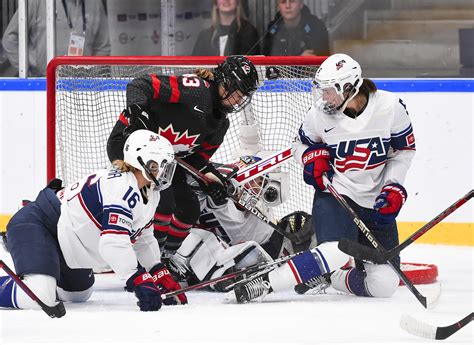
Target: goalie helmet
{"points": [[336, 82], [153, 155], [236, 74], [271, 188]]}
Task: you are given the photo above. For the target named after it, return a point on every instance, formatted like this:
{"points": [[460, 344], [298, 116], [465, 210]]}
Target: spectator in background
{"points": [[295, 31], [81, 29], [230, 32]]}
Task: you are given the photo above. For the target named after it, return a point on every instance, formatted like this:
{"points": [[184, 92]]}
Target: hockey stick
{"points": [[362, 252], [241, 272], [424, 330], [368, 234], [54, 312], [245, 200]]}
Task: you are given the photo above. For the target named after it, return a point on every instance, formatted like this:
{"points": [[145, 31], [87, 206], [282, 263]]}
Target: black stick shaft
{"points": [[56, 311]]}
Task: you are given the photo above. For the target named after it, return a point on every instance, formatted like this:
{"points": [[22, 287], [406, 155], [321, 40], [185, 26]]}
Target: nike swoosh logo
{"points": [[197, 109], [328, 130]]}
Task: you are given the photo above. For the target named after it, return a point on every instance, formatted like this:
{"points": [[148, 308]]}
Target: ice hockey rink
{"points": [[111, 316]]}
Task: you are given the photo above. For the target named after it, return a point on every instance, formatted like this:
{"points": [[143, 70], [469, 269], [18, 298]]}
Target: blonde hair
{"points": [[239, 14], [204, 73], [123, 166]]}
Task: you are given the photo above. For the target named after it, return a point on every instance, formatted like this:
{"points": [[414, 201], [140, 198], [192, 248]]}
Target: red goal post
{"points": [[86, 94]]}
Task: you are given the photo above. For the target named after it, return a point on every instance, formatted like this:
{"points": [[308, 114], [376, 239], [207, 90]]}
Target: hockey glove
{"points": [[316, 160], [142, 284], [137, 117], [389, 202], [217, 188], [163, 281]]}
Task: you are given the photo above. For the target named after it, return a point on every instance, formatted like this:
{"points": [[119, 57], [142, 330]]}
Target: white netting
{"points": [[90, 98]]}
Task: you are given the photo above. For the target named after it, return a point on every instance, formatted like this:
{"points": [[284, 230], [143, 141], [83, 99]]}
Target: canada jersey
{"points": [[183, 109], [367, 152], [102, 217], [234, 226]]}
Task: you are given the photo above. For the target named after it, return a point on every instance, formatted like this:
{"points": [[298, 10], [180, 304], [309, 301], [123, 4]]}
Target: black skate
{"points": [[256, 288], [318, 283]]}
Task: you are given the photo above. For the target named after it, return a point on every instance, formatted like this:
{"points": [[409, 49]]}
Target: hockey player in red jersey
{"points": [[103, 219], [191, 112], [362, 139]]}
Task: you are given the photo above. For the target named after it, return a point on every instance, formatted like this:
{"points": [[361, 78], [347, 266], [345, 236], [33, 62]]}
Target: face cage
{"points": [[334, 98], [164, 176], [265, 190], [230, 88]]}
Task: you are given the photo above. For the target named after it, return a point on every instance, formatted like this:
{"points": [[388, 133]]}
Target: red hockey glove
{"points": [[389, 202], [316, 160], [163, 281], [142, 284]]}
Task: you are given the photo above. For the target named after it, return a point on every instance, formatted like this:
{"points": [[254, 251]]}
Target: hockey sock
{"points": [[323, 259], [177, 232], [12, 296], [161, 223], [8, 293], [351, 281]]}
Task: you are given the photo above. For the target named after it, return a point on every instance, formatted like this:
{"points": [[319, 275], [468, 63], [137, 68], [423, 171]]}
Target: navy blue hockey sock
{"points": [[309, 264], [355, 283], [8, 293]]}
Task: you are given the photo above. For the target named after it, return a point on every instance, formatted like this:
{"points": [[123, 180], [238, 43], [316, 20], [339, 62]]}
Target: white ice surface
{"points": [[111, 316]]}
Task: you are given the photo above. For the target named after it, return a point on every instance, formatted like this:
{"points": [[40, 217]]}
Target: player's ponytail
{"points": [[123, 166], [205, 74]]}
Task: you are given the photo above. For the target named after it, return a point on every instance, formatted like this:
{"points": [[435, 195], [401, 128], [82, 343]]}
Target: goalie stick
{"points": [[362, 252], [246, 273], [54, 312], [369, 235], [424, 330], [245, 200]]}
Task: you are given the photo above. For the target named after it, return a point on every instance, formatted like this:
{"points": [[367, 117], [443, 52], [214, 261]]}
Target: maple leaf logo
{"points": [[180, 141]]}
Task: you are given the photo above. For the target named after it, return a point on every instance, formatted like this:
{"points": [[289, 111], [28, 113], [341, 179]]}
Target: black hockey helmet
{"points": [[237, 73]]}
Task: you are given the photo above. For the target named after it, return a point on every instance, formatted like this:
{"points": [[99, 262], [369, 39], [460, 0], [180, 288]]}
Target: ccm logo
{"points": [[310, 156]]}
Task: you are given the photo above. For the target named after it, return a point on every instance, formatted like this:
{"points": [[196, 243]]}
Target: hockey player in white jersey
{"points": [[363, 140], [104, 219], [230, 237]]}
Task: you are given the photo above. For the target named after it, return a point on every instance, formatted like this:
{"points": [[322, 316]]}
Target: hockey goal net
{"points": [[86, 95]]}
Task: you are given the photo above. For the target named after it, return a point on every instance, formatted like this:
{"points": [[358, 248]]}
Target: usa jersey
{"points": [[106, 221], [368, 152]]}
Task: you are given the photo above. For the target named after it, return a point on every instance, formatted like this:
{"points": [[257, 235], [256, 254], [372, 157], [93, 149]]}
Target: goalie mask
{"points": [[239, 79], [336, 82], [271, 188], [153, 155]]}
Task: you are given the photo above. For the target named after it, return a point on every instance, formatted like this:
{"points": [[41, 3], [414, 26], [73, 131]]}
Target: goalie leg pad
{"points": [[323, 259], [208, 257]]}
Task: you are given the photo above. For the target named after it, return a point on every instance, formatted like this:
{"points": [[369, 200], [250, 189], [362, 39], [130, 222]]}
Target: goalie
{"points": [[228, 237]]}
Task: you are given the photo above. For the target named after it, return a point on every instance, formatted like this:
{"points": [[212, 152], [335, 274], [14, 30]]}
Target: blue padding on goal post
{"points": [[284, 85]]}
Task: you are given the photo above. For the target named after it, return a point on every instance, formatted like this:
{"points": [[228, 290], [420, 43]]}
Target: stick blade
{"points": [[417, 327], [361, 252]]}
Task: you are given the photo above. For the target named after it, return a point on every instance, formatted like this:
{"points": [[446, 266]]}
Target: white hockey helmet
{"points": [[153, 155], [336, 82]]}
